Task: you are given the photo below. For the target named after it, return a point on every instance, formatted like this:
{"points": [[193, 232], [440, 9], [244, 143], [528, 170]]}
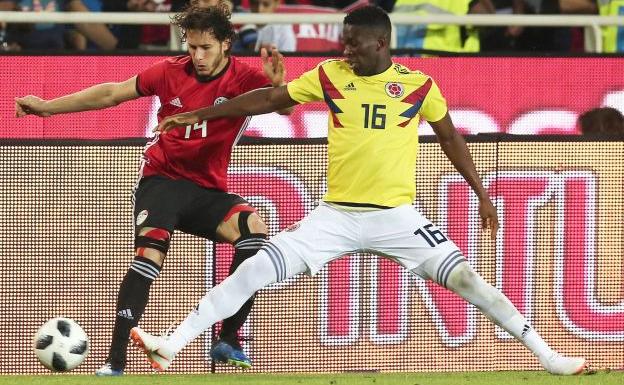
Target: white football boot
{"points": [[158, 354], [564, 366]]}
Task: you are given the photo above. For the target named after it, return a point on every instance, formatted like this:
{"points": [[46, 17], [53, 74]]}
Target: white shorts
{"points": [[401, 234]]}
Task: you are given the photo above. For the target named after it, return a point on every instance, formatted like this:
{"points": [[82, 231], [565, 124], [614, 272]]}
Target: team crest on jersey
{"points": [[394, 90], [293, 227], [220, 100], [141, 217]]}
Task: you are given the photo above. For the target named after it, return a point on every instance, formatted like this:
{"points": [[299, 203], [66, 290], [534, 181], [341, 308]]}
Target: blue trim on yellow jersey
{"points": [[412, 111], [330, 103]]}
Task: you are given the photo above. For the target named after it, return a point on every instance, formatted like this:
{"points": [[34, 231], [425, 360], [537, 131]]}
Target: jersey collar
{"points": [[384, 72]]}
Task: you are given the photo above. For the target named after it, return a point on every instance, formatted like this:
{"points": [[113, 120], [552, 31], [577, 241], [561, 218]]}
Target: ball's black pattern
{"points": [[63, 327], [43, 342], [79, 348], [58, 363]]}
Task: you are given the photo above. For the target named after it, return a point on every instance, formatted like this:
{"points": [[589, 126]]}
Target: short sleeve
{"points": [[253, 80], [306, 88], [434, 106], [151, 81]]}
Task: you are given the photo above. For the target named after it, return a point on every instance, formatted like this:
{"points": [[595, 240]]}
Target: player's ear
{"points": [[381, 43], [227, 45]]}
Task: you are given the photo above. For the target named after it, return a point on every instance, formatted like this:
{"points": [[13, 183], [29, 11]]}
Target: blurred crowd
{"points": [[315, 37]]}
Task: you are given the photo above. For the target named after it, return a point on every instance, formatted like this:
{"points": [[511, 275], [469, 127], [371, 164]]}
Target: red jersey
{"points": [[200, 152]]}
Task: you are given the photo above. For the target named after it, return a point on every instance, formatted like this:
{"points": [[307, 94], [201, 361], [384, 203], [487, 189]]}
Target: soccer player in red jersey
{"points": [[183, 182]]}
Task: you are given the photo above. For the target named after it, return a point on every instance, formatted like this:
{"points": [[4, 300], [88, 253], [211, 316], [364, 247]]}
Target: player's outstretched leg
{"points": [[223, 300], [465, 282]]}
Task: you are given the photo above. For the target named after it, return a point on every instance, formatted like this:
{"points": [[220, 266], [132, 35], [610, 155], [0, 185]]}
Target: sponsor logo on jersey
{"points": [[220, 100], [141, 217], [293, 227], [395, 90], [349, 87], [176, 102]]}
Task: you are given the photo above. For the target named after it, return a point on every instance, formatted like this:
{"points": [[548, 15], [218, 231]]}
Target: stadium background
{"points": [[66, 234]]}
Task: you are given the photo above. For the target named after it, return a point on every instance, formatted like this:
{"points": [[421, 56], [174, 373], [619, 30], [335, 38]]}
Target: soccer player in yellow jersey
{"points": [[374, 109]]}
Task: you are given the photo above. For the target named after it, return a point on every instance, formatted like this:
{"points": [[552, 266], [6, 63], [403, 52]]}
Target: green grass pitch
{"points": [[476, 378]]}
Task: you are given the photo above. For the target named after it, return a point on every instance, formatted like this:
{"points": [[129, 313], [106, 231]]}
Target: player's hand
{"points": [[173, 121], [489, 218], [273, 65], [30, 105]]}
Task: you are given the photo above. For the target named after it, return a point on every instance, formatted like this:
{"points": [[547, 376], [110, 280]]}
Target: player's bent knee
{"points": [[256, 225], [249, 222], [240, 223], [152, 243]]}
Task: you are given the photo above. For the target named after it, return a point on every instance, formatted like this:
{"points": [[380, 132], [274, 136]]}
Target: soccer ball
{"points": [[61, 345]]}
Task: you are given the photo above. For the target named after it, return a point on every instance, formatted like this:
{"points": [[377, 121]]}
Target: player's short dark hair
{"points": [[215, 19], [605, 120], [370, 16]]}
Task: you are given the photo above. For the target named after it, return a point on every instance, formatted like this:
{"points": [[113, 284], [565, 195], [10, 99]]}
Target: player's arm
{"points": [[256, 102], [100, 96], [455, 148]]}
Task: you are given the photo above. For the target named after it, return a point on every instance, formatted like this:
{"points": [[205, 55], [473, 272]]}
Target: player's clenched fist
{"points": [[170, 122], [30, 105]]}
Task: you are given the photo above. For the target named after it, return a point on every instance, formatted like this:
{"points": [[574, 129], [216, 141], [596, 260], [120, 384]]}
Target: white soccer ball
{"points": [[61, 345]]}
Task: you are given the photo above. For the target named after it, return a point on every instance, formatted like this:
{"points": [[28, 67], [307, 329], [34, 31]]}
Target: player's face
{"points": [[362, 49], [209, 54]]}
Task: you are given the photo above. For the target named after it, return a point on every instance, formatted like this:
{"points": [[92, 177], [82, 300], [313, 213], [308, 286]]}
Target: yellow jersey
{"points": [[372, 129], [454, 38], [612, 35]]}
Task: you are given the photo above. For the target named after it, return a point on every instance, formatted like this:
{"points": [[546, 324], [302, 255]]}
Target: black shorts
{"points": [[182, 205]]}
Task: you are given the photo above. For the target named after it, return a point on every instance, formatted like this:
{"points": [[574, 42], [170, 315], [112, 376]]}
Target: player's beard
{"points": [[212, 69]]}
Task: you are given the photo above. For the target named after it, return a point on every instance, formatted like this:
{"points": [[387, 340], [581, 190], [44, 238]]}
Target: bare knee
{"points": [[233, 228], [153, 244], [256, 224]]}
